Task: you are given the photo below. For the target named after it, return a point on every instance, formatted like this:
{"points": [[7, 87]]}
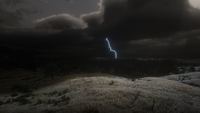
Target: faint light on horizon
{"points": [[195, 3], [111, 48]]}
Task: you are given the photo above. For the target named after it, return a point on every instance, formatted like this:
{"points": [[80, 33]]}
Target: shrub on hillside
{"points": [[53, 93], [56, 102], [1, 102], [53, 100], [39, 101], [65, 91], [49, 101], [28, 95], [24, 101], [21, 100], [192, 69], [90, 109], [8, 101], [112, 82], [14, 94], [60, 93]]}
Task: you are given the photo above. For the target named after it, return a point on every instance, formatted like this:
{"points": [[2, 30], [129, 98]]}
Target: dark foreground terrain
{"points": [[97, 85]]}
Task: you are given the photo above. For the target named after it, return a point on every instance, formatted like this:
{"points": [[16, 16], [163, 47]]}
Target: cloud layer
{"points": [[149, 17], [137, 28], [61, 21]]}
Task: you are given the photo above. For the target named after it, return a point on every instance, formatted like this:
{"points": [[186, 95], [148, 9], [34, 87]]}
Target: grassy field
{"points": [[104, 93]]}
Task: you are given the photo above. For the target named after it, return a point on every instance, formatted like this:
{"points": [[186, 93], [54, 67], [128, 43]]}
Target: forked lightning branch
{"points": [[111, 48]]}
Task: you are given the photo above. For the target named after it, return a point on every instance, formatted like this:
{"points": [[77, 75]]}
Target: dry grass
{"points": [[101, 94]]}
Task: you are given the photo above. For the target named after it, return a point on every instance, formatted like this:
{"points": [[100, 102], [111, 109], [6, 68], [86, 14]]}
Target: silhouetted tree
{"points": [[51, 70], [88, 69], [192, 68], [65, 69]]}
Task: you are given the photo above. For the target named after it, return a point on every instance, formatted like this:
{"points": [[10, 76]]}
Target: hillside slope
{"points": [[109, 94]]}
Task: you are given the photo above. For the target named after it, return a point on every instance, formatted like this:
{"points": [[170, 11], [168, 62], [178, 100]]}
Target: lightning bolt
{"points": [[111, 48]]}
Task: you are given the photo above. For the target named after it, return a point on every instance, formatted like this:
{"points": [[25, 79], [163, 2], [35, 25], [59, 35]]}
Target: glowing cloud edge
{"points": [[111, 48]]}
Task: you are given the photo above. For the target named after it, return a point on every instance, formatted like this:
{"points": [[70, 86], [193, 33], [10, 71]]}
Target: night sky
{"points": [[135, 28]]}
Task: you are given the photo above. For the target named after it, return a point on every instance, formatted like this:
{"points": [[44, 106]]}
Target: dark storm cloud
{"points": [[92, 19], [49, 41], [141, 18], [157, 28], [176, 46], [13, 18], [61, 21], [138, 28]]}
